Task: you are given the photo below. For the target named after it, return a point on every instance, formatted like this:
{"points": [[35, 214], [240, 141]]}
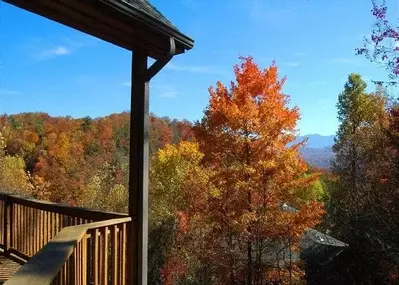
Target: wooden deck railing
{"points": [[61, 244]]}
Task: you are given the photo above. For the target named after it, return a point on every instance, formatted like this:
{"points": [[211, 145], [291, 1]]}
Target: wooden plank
{"points": [[18, 234], [61, 221], [26, 231], [45, 228], [1, 222], [79, 261], [48, 226], [29, 224], [123, 255], [74, 266], [7, 268], [84, 260], [6, 217], [20, 257], [11, 227], [23, 230], [14, 226], [95, 257], [35, 225], [42, 228], [39, 229], [100, 257], [66, 210], [57, 222], [114, 255], [105, 256], [53, 229]]}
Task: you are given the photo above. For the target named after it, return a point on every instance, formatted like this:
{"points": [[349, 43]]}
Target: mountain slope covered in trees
{"points": [[62, 153], [317, 151], [317, 141], [318, 157]]}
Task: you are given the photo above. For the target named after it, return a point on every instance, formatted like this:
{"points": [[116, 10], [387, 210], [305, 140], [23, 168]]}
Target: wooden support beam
{"points": [[138, 172]]}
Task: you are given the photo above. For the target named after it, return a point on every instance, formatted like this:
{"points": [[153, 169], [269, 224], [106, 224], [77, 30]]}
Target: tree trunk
{"points": [[249, 243], [250, 265]]}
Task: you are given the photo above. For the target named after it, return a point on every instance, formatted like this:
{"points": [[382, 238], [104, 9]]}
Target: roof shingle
{"points": [[146, 7]]}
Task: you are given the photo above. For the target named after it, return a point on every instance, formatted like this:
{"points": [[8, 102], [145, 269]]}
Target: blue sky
{"points": [[49, 67]]}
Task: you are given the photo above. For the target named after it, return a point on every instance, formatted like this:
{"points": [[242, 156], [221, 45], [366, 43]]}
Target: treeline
{"points": [[62, 154]]}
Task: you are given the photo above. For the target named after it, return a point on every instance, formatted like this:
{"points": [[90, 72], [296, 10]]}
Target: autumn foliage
{"points": [[64, 155], [218, 190], [227, 195]]}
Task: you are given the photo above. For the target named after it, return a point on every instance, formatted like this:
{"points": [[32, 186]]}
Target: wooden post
{"points": [[138, 172]]}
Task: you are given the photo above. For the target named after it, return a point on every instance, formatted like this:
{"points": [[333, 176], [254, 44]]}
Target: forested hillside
{"points": [[318, 157], [317, 141], [317, 151], [63, 154]]}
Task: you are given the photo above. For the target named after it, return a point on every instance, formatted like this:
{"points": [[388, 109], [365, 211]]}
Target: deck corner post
{"points": [[138, 172]]}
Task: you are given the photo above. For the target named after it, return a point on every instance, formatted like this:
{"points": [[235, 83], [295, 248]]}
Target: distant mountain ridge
{"points": [[317, 151], [317, 141]]}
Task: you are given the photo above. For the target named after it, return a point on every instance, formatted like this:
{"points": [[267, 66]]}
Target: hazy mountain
{"points": [[317, 141], [318, 157], [317, 151]]}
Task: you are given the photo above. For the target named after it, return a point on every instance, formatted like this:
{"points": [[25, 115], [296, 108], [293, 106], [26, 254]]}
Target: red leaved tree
{"points": [[245, 135]]}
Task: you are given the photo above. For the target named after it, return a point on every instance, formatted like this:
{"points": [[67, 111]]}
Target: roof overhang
{"points": [[114, 21]]}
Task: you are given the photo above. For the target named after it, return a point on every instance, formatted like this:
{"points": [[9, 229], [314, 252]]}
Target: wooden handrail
{"points": [[71, 244], [64, 209], [46, 264], [26, 225]]}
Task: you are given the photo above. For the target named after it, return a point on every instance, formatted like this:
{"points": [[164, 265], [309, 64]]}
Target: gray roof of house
{"points": [[313, 235], [147, 8], [288, 209], [324, 239]]}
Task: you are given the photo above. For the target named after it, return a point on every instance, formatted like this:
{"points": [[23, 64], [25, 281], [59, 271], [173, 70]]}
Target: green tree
{"points": [[13, 178], [361, 161], [315, 192], [102, 193], [360, 116]]}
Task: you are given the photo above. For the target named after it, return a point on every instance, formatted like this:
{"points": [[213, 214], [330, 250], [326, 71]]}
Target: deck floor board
{"points": [[7, 268]]}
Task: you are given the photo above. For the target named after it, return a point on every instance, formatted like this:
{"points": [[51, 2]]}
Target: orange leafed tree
{"points": [[245, 135]]}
